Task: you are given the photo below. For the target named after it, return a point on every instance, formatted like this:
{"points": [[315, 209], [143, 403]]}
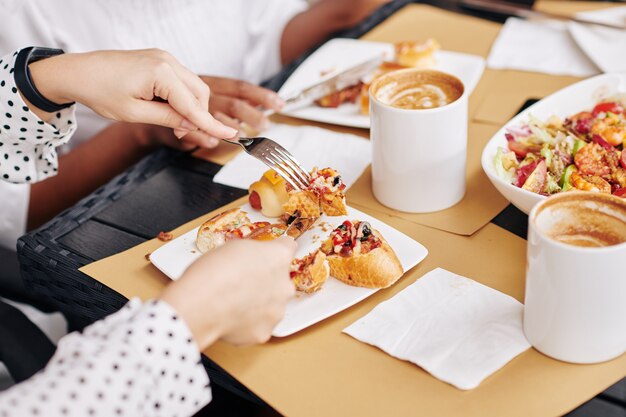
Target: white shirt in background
{"points": [[230, 38]]}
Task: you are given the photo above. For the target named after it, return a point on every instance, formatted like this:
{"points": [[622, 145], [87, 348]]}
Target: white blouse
{"points": [[230, 38], [138, 362]]}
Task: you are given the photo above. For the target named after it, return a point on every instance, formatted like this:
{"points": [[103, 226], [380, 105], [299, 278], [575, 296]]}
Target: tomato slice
{"points": [[607, 107], [520, 149], [621, 192]]}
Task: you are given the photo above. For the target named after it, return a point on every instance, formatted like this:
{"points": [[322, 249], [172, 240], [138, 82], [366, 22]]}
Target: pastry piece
{"points": [[358, 255], [310, 273], [416, 54], [268, 194], [327, 184], [306, 203], [229, 225]]}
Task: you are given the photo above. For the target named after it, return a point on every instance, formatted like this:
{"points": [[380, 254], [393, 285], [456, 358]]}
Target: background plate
{"points": [[340, 54]]}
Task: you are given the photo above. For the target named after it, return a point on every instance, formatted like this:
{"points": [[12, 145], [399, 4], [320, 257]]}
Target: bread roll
{"points": [[358, 255]]}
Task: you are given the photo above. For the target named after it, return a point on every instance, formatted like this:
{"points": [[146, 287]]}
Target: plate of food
{"points": [[574, 139], [343, 256], [350, 106]]}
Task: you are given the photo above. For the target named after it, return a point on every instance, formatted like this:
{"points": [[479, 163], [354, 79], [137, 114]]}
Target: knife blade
{"points": [[337, 82]]}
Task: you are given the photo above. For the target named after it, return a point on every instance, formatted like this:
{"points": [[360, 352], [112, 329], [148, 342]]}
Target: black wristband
{"points": [[25, 83]]}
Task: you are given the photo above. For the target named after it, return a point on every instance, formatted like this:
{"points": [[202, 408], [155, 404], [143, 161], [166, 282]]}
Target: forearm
{"points": [[308, 29], [85, 168], [140, 361], [321, 20]]}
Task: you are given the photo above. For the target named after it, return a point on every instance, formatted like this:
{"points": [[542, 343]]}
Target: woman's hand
{"points": [[148, 86], [237, 292]]}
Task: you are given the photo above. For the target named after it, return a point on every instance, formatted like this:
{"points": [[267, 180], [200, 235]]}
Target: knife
{"points": [[337, 82], [514, 10]]}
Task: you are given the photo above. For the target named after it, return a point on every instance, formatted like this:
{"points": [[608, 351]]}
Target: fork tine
{"points": [[279, 163], [298, 170], [280, 170]]}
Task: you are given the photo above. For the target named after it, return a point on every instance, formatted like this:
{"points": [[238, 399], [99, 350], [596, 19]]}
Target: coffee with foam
{"points": [[588, 220], [417, 90]]}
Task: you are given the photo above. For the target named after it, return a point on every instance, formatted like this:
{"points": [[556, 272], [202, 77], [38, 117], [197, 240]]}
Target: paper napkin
{"points": [[457, 329], [539, 46], [604, 46], [311, 146]]}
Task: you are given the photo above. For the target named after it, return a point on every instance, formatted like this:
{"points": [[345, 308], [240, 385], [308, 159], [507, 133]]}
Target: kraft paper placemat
{"points": [[320, 371], [482, 202]]}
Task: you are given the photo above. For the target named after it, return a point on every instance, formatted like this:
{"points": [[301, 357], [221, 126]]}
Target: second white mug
{"points": [[418, 158]]}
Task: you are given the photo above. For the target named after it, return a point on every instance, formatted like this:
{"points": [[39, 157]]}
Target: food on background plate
{"points": [[408, 54], [584, 152], [269, 194], [417, 54], [310, 273], [358, 255]]}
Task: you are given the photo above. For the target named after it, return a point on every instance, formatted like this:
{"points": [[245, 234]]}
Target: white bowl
{"points": [[575, 98]]}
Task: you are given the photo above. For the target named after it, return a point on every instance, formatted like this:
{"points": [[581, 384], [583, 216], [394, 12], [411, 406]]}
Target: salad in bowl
{"points": [[572, 140], [585, 152]]}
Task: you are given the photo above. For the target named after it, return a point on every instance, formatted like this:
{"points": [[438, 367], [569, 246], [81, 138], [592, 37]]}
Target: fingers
{"points": [[170, 87], [238, 109], [199, 139], [228, 121], [255, 95]]}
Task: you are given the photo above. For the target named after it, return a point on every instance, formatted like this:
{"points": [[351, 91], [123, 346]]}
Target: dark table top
{"points": [[184, 190]]}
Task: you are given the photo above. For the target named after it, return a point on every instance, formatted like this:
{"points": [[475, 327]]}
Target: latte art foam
{"points": [[426, 96], [415, 90]]}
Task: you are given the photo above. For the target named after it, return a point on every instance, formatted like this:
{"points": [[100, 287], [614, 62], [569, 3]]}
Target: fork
{"points": [[276, 157]]}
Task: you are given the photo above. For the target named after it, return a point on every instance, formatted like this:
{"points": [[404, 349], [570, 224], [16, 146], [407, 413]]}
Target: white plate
{"points": [[304, 310], [566, 102], [340, 54]]}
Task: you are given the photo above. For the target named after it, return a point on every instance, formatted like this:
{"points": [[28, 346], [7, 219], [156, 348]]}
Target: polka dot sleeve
{"points": [[140, 361], [27, 143]]}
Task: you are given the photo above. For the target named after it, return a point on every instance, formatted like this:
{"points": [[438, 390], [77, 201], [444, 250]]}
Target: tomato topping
{"points": [[621, 192], [255, 200], [609, 107]]}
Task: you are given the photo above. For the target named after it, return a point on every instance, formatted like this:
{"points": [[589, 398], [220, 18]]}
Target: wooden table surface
{"points": [[190, 192]]}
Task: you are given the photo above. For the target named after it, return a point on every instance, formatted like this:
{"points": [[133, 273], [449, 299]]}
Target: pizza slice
{"points": [[358, 255]]}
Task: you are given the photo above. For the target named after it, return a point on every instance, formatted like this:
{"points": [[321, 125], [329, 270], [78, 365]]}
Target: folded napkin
{"points": [[539, 46], [311, 146], [604, 46], [458, 330]]}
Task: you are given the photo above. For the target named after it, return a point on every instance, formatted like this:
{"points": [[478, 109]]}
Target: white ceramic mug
{"points": [[575, 295], [418, 155]]}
